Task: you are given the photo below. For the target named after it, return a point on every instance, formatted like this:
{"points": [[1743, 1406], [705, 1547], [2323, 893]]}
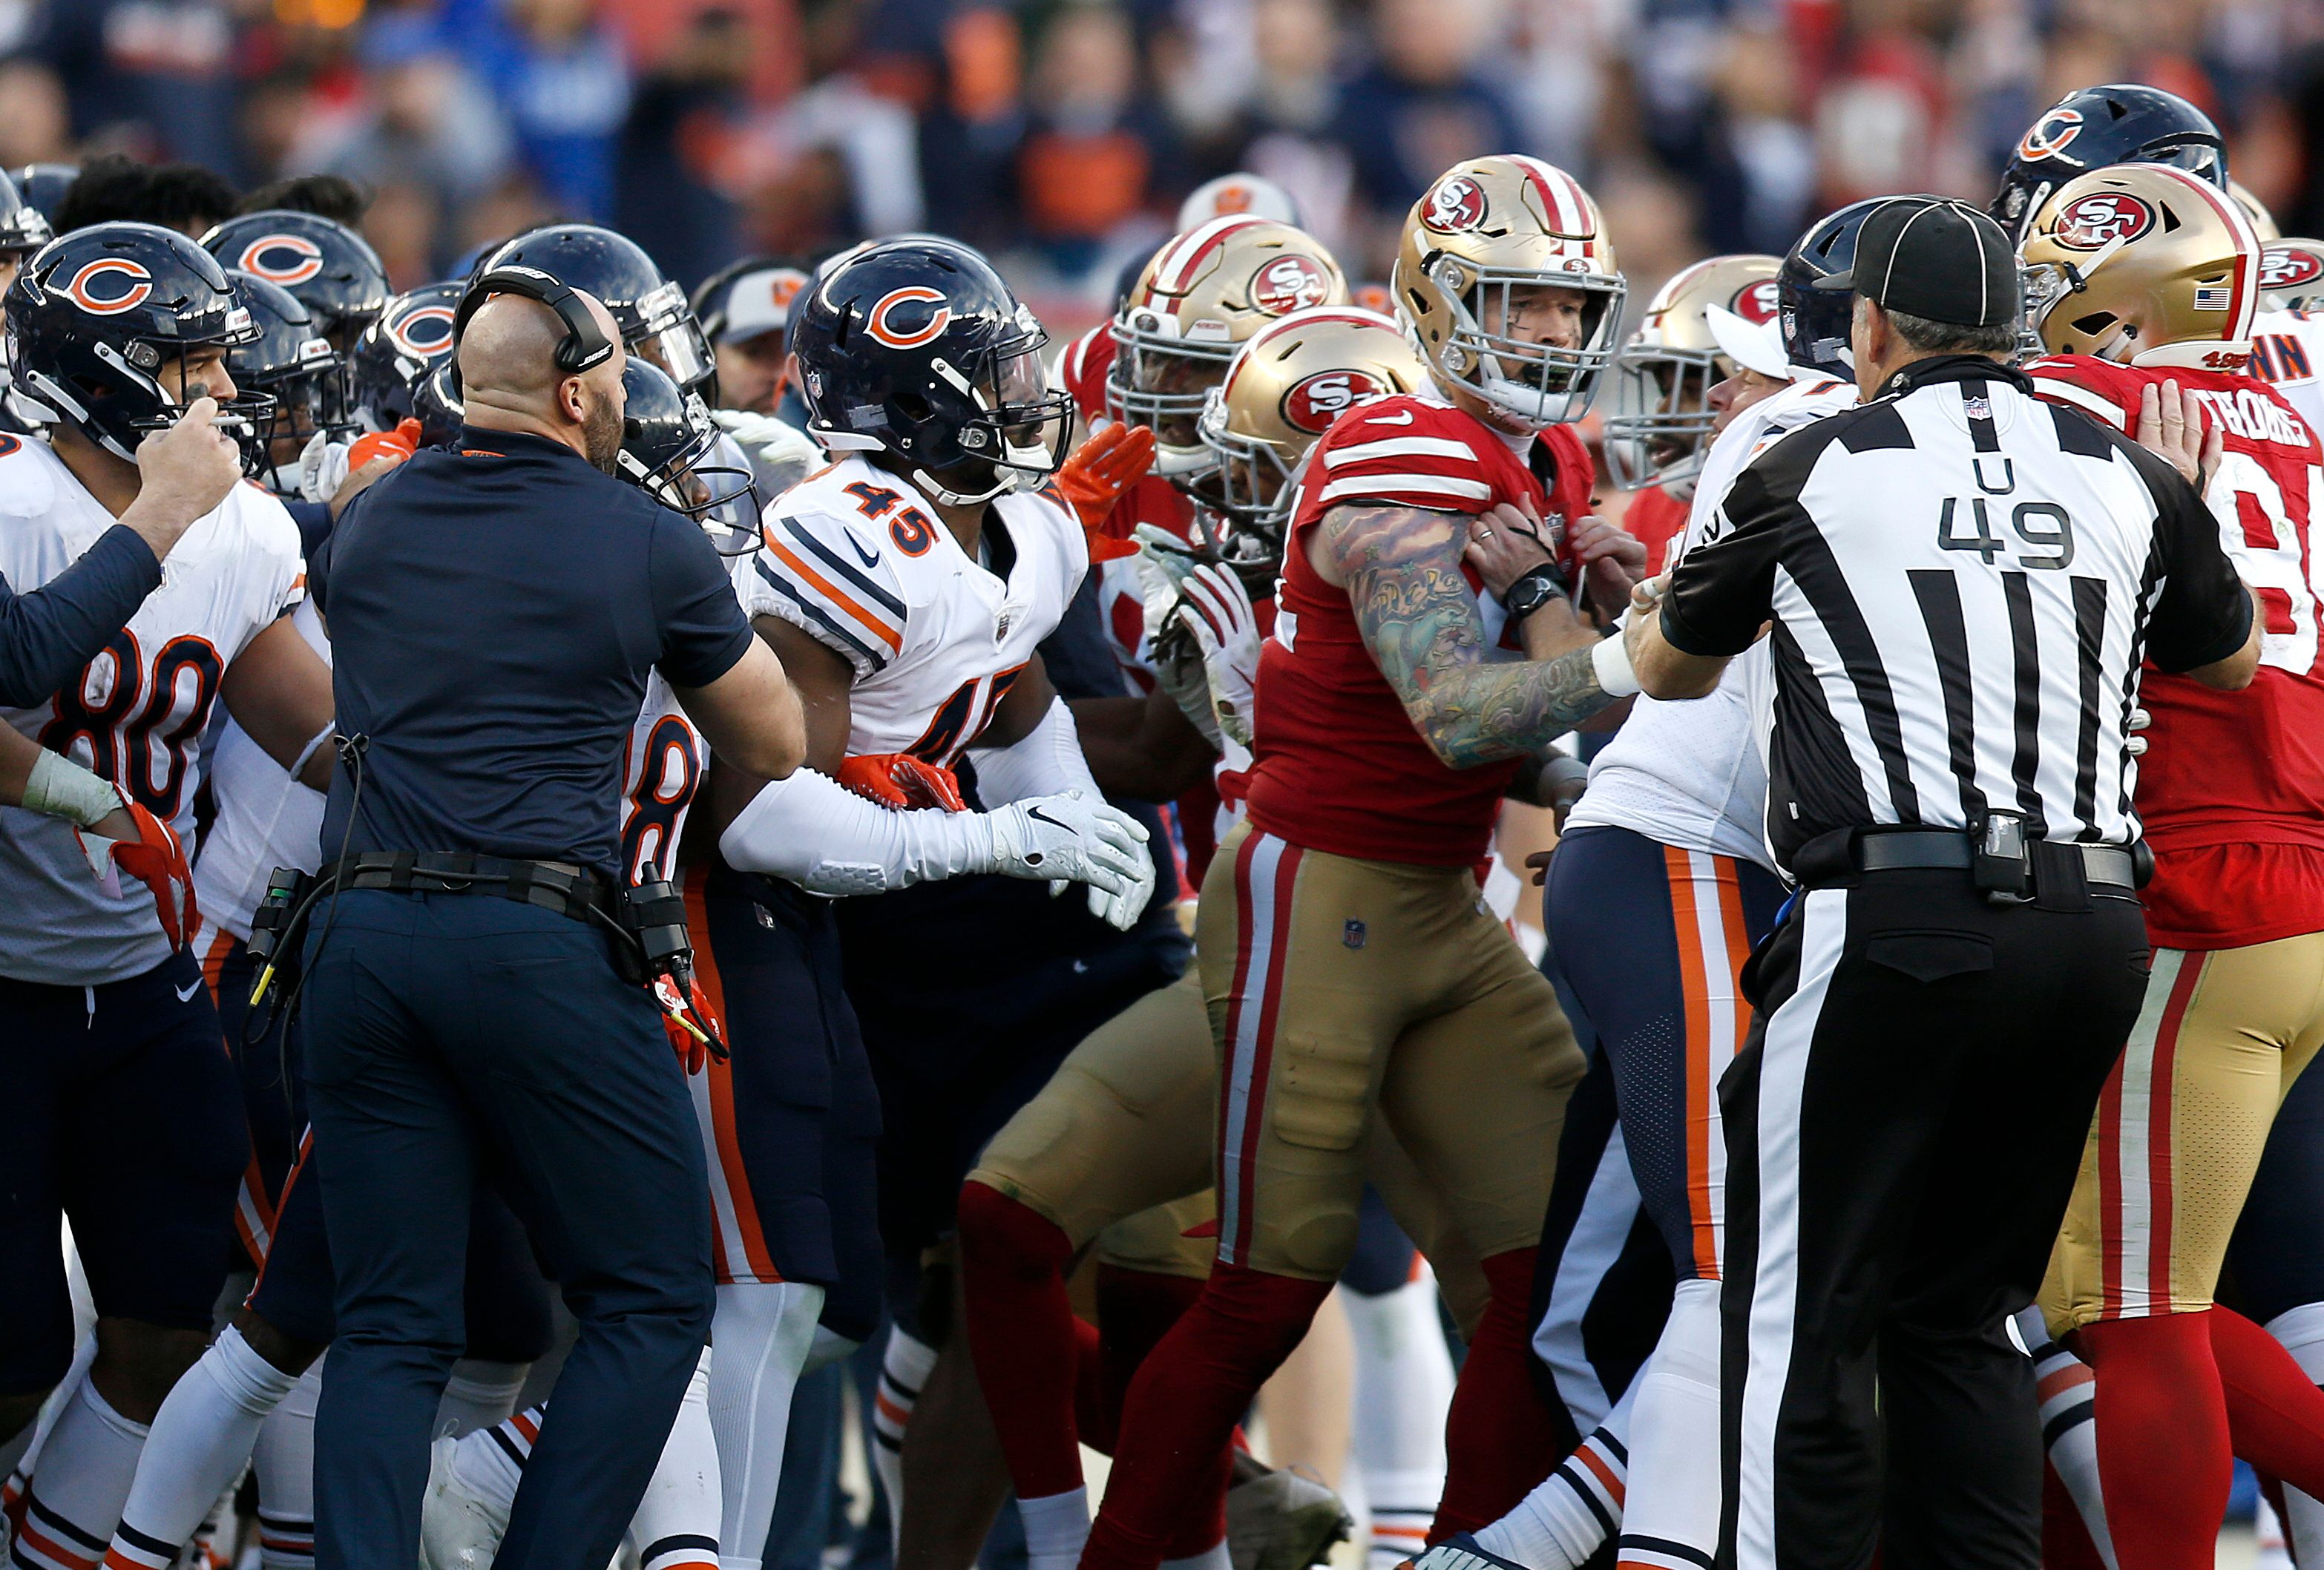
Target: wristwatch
{"points": [[1535, 589]]}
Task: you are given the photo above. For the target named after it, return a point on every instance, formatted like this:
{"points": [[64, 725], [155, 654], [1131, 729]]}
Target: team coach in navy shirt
{"points": [[495, 609]]}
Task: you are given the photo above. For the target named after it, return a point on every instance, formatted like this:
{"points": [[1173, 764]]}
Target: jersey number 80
{"points": [[141, 722]]}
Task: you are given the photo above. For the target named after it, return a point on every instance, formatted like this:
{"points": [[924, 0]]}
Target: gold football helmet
{"points": [[1662, 417], [1202, 295], [1284, 390], [2144, 264], [1488, 228], [2263, 222], [2292, 274]]}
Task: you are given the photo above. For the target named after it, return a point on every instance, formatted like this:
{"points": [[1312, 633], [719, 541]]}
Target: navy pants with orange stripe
{"points": [[1651, 940]]}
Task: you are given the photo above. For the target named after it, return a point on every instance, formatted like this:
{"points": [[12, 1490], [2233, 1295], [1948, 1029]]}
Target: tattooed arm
{"points": [[1473, 704]]}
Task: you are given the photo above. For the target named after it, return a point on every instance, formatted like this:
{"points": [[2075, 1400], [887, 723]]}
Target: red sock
{"points": [[2164, 1456], [2065, 1541], [2276, 1414], [1021, 1337], [1135, 1310], [1184, 1406], [1499, 1439]]}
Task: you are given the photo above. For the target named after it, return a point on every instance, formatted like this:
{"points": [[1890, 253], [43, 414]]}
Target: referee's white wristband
{"points": [[62, 788], [1610, 659]]}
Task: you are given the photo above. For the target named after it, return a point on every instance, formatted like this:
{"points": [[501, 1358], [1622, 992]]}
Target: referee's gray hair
{"points": [[1944, 337]]}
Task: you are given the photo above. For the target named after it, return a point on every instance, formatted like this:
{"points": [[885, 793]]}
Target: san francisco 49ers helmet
{"points": [[95, 314], [1200, 297], [1486, 228], [917, 348], [2145, 264], [2292, 274], [1662, 417], [2096, 128], [332, 270], [1284, 390]]}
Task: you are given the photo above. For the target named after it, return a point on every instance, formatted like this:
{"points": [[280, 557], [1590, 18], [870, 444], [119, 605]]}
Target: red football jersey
{"points": [[1339, 766], [1656, 518], [2231, 789]]}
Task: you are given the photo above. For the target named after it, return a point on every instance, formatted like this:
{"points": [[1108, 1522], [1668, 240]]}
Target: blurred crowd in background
{"points": [[1059, 135]]}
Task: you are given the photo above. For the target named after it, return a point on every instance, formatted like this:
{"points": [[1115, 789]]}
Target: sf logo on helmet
{"points": [[2288, 266], [1456, 204], [1756, 302], [2102, 218], [109, 286], [895, 335], [2052, 134], [283, 259], [422, 332], [1313, 404], [1288, 284]]}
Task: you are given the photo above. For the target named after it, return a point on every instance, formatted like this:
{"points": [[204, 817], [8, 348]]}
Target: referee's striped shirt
{"points": [[1963, 580]]}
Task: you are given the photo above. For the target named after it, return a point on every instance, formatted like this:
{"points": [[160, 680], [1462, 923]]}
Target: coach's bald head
{"points": [[510, 379]]}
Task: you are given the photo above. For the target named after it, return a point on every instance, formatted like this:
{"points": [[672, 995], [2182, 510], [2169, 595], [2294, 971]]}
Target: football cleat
{"points": [[1284, 1521], [457, 1529]]}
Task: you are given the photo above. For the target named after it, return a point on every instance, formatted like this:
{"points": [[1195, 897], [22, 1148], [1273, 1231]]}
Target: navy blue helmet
{"points": [[97, 314], [2119, 123], [291, 362], [333, 270], [1815, 322], [42, 186], [672, 451], [914, 347], [656, 320], [411, 337]]}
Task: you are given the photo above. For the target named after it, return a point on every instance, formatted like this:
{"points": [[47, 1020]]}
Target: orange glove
{"points": [[694, 1033], [398, 444], [155, 858], [902, 781], [1094, 479]]}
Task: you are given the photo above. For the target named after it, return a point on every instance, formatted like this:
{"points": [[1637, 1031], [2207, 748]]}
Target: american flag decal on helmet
{"points": [[2213, 296]]}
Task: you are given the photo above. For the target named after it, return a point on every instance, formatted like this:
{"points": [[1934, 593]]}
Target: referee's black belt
{"points": [[2042, 870], [560, 886]]}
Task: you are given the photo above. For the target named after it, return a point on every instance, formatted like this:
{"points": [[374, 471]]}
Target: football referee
{"points": [[1963, 582]]}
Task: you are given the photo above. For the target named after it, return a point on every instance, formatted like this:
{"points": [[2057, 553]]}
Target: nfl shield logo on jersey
{"points": [[1352, 933]]}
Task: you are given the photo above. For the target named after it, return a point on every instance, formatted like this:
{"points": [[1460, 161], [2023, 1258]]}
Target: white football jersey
{"points": [[661, 773], [265, 818], [2288, 350], [857, 557], [136, 714]]}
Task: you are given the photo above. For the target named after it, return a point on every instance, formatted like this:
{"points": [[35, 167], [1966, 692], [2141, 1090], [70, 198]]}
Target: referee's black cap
{"points": [[1932, 256]]}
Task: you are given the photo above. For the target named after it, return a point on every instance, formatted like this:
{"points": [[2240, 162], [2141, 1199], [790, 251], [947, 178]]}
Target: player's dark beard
{"points": [[600, 432]]}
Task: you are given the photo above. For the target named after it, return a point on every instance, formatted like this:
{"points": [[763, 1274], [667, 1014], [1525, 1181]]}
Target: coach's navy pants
{"points": [[444, 1032]]}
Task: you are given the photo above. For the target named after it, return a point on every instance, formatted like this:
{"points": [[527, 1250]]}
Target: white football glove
{"points": [[1164, 564], [1070, 838], [322, 466], [781, 455], [1218, 613]]}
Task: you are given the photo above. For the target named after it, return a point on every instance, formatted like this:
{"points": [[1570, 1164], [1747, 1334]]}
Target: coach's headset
{"points": [[585, 346]]}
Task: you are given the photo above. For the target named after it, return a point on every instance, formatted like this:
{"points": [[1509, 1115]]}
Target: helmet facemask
{"points": [[1249, 489], [667, 334], [1163, 381], [1020, 431], [1534, 384], [247, 417], [1662, 423]]}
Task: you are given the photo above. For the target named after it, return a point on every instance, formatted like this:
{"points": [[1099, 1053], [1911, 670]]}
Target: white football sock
{"points": [[677, 1524], [84, 1474], [284, 1460], [1056, 1526], [478, 1395], [761, 1334], [26, 1446], [1675, 1489], [1404, 1389], [202, 1439], [1213, 1557], [903, 1370], [2300, 1332], [2066, 1388], [1569, 1515]]}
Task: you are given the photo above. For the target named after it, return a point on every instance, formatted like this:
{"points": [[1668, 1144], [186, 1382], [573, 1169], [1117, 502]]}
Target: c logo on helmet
{"points": [[422, 332], [2289, 266], [82, 288], [1311, 404], [912, 337], [2102, 218], [1456, 204], [296, 259], [1288, 284], [2052, 134], [1756, 302]]}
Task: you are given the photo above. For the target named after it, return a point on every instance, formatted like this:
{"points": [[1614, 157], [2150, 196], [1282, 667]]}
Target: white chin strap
{"points": [[1003, 482]]}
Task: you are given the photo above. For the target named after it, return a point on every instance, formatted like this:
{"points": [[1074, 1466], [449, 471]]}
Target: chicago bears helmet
{"points": [[673, 451], [2117, 122], [1814, 321], [293, 364], [657, 322], [411, 336], [917, 348], [97, 313], [333, 270]]}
